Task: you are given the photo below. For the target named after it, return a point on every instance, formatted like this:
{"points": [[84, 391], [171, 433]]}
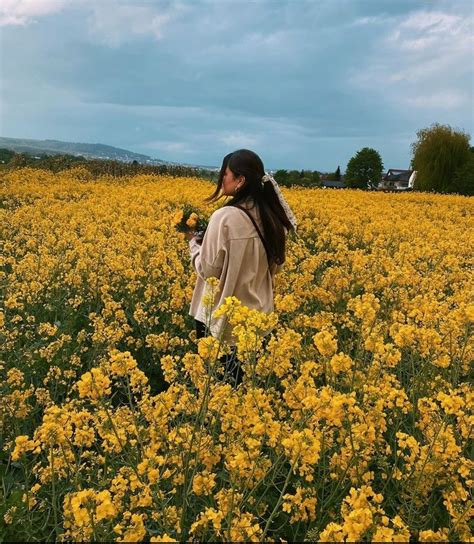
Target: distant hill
{"points": [[54, 147], [88, 151]]}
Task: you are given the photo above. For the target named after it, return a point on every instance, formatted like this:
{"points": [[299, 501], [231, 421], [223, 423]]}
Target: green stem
{"points": [[280, 500], [53, 485]]}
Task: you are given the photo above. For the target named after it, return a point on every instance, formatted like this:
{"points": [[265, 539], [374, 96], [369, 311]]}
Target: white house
{"points": [[398, 180]]}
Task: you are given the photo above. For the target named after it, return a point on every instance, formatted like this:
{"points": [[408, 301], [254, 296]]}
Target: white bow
{"points": [[281, 198]]}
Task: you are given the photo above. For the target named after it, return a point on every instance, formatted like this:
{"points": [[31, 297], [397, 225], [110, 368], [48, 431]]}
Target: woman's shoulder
{"points": [[231, 222], [226, 213]]}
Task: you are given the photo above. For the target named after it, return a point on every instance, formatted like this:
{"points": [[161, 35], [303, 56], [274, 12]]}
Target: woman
{"points": [[244, 244]]}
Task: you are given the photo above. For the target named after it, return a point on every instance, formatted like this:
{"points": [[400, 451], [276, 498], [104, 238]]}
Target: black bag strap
{"points": [[258, 230]]}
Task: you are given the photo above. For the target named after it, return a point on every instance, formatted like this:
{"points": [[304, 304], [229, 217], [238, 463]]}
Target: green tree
{"points": [[364, 170], [463, 180], [316, 178], [294, 177], [19, 160], [334, 176], [282, 177], [6, 155], [438, 153], [307, 179]]}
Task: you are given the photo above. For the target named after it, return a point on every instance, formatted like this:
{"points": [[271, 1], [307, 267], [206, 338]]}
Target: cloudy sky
{"points": [[304, 83]]}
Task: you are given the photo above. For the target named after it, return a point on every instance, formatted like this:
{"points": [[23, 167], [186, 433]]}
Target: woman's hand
{"points": [[190, 235]]}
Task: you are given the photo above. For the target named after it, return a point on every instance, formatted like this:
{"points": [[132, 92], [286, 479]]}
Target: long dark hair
{"points": [[220, 179], [244, 162]]}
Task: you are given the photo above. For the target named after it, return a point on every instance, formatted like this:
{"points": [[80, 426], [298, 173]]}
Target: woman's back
{"points": [[232, 251], [243, 254]]}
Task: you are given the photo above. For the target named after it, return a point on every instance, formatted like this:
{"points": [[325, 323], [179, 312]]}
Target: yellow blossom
{"points": [[94, 384], [325, 342]]}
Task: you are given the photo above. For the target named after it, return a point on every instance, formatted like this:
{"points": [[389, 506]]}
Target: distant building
{"points": [[333, 184], [398, 180], [328, 181]]}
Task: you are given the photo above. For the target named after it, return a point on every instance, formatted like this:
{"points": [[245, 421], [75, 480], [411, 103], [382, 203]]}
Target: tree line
{"points": [[96, 167], [441, 155]]}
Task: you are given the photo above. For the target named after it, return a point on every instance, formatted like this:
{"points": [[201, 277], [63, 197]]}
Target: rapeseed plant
{"points": [[352, 424]]}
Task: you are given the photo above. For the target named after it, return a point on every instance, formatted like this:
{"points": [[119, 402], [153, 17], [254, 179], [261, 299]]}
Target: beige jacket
{"points": [[232, 251]]}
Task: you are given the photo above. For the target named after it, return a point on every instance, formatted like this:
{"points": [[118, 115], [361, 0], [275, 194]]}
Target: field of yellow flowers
{"points": [[353, 425]]}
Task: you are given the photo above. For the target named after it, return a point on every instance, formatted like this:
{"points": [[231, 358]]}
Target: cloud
{"points": [[109, 22], [169, 147], [425, 30], [372, 20], [23, 12], [423, 60], [113, 25], [303, 83], [239, 139], [440, 100]]}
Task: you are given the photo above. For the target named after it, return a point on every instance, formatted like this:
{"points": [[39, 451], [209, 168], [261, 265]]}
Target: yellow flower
{"points": [[135, 531], [15, 377], [332, 533], [105, 508], [204, 483], [192, 220], [403, 335], [441, 535], [169, 367], [341, 363], [326, 343], [9, 515], [94, 384], [22, 445], [122, 364], [302, 449], [209, 348], [301, 504], [177, 217], [211, 292]]}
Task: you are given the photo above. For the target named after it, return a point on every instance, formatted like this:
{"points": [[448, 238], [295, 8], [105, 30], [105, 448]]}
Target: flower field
{"points": [[355, 423]]}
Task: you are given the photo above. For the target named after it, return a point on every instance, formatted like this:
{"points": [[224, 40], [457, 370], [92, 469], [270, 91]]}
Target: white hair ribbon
{"points": [[289, 213]]}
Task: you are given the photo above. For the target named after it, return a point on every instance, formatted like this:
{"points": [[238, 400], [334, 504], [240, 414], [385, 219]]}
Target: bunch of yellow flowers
{"points": [[190, 218]]}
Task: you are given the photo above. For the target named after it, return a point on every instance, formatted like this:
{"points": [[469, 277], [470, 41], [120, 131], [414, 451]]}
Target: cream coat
{"points": [[232, 251]]}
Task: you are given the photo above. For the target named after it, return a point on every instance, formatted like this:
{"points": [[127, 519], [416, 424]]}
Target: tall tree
{"points": [[308, 179], [282, 177], [294, 177], [364, 170], [463, 179], [438, 153], [337, 174], [316, 178], [6, 155]]}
